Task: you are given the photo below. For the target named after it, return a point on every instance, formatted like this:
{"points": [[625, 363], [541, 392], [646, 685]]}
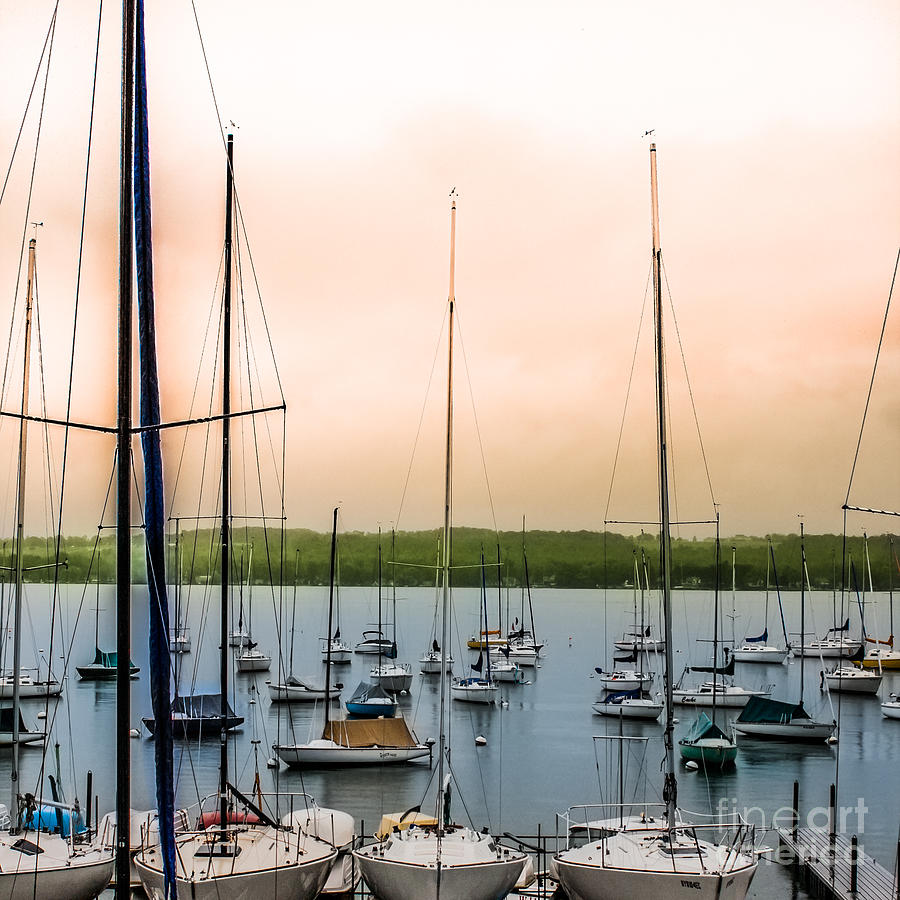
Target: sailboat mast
{"points": [[123, 458], [294, 611], [734, 597], [527, 588], [670, 788], [802, 603], [716, 624], [20, 537], [226, 486], [445, 560], [891, 582], [330, 609], [380, 646]]}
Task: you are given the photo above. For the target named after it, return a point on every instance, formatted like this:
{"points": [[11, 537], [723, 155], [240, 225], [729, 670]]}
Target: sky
{"points": [[777, 127]]}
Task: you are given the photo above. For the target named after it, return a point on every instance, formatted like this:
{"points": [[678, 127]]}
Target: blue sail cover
{"points": [[154, 497], [619, 696], [757, 640]]}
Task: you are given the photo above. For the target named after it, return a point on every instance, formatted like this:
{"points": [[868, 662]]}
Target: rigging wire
{"points": [[421, 417], [862, 425], [637, 341], [48, 48]]}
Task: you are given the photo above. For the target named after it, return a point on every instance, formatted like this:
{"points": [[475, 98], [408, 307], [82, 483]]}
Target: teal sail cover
{"points": [[704, 727], [761, 709]]}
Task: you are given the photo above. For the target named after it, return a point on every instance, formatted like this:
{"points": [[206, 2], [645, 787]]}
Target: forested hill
{"points": [[565, 559]]}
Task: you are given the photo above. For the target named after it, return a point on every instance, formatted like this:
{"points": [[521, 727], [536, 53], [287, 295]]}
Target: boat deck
{"points": [[825, 867]]}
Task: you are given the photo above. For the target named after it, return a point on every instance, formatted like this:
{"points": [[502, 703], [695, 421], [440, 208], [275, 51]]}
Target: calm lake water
{"points": [[540, 757]]}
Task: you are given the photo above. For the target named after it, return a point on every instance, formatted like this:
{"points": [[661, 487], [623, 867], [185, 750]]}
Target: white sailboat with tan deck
{"points": [[653, 852], [350, 742], [437, 860]]}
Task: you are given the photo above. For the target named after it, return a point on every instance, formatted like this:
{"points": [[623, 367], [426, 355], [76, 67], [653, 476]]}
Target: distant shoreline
{"points": [[561, 559]]}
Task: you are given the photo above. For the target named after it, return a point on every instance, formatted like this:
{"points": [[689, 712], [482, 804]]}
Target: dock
{"points": [[835, 867]]}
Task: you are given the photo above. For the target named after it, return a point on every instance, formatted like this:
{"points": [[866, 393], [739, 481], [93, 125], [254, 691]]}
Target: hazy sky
{"points": [[778, 128]]}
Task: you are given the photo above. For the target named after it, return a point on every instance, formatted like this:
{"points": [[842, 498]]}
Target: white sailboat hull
{"points": [[393, 678], [328, 753], [891, 709], [253, 663], [647, 645], [725, 698], [759, 654], [430, 664], [300, 693], [801, 730], [55, 873], [250, 875], [634, 860], [523, 656], [28, 688], [853, 681], [469, 869], [512, 675], [588, 882], [828, 649], [480, 693], [630, 708], [626, 681]]}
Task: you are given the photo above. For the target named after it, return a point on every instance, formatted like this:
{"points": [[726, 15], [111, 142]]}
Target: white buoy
{"points": [[480, 741], [42, 715], [832, 740], [134, 733], [272, 763], [691, 765]]}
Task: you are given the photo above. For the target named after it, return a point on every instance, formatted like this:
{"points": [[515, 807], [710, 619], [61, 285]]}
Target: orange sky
{"points": [[777, 128]]}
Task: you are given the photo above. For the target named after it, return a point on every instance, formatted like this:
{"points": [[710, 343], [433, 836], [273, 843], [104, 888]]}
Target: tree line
{"points": [[562, 559]]}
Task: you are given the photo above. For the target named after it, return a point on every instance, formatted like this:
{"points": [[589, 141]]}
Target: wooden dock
{"points": [[835, 868]]}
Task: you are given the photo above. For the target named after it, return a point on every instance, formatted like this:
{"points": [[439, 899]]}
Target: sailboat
{"points": [[302, 689], [431, 661], [441, 861], [41, 866], [654, 853], [841, 645], [249, 657], [105, 663], [480, 687], [706, 743], [232, 855], [523, 646], [180, 635], [335, 650], [383, 739], [775, 719], [393, 677], [884, 655], [850, 677], [504, 666], [758, 649], [622, 678]]}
